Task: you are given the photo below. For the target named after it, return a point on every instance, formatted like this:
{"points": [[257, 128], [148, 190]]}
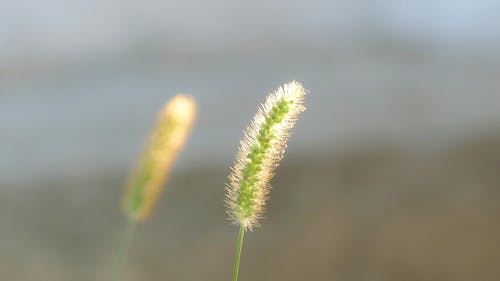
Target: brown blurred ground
{"points": [[378, 212]]}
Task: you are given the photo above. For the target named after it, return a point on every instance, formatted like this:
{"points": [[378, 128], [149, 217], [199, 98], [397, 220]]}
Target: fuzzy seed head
{"points": [[168, 137], [260, 151]]}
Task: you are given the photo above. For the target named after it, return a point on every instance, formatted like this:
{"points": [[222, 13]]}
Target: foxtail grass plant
{"points": [[260, 151], [148, 179]]}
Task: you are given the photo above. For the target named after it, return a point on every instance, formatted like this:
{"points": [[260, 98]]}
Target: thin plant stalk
{"points": [[122, 254], [237, 257]]}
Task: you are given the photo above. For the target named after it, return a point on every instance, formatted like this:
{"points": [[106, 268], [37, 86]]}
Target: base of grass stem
{"points": [[122, 254], [239, 245]]}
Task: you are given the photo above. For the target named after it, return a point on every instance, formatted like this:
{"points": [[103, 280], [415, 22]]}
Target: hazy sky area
{"points": [[81, 81], [60, 30]]}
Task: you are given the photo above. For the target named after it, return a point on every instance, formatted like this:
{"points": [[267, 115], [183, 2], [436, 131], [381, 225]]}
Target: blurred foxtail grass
{"points": [[148, 179]]}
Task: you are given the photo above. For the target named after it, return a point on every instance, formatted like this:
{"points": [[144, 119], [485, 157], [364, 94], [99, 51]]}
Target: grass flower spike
{"points": [[260, 151], [168, 137], [145, 184]]}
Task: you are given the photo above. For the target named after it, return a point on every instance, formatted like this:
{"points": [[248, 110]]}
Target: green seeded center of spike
{"points": [[150, 166], [247, 193]]}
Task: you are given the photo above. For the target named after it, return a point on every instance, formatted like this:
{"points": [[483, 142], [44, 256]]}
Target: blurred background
{"points": [[393, 172]]}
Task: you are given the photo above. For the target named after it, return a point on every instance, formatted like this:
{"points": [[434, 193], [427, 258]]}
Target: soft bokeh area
{"points": [[392, 173]]}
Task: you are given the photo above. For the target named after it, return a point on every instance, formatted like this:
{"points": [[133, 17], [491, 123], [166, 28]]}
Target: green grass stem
{"points": [[239, 245], [122, 254]]}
